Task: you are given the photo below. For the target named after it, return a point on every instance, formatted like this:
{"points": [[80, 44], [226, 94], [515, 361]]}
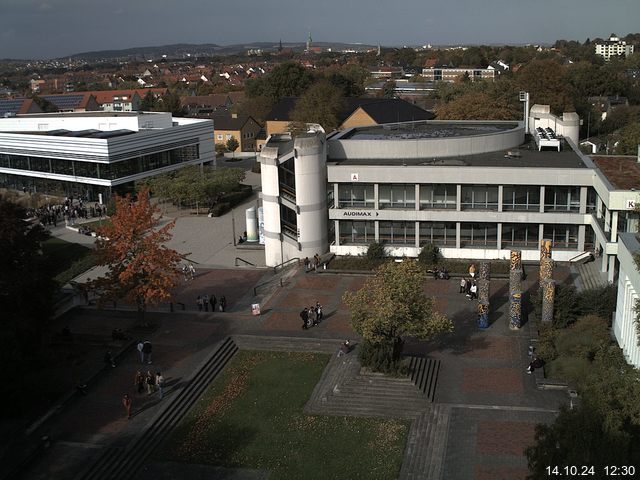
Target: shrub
{"points": [[220, 208], [382, 357], [376, 251], [236, 197], [429, 254], [598, 301], [565, 306], [584, 338]]}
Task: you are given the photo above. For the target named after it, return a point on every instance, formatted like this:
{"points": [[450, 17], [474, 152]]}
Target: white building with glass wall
{"points": [[92, 153], [474, 189], [625, 327], [613, 47]]}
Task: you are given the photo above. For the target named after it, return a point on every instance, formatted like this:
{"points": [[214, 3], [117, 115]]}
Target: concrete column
{"points": [[614, 227], [417, 234], [500, 197], [540, 232], [375, 202], [541, 202], [376, 225], [336, 228], [499, 239], [607, 220], [612, 267], [417, 194], [336, 201], [599, 206], [458, 233], [581, 236], [458, 203], [583, 199], [603, 261]]}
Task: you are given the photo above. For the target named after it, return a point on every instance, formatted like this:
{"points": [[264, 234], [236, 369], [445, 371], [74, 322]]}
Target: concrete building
{"points": [[613, 47], [86, 154], [449, 74], [625, 327], [241, 127], [474, 189]]}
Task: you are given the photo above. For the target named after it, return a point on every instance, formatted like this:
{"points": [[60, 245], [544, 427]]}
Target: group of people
{"points": [[188, 271], [149, 382], [68, 212], [312, 265], [204, 301], [469, 287], [311, 316]]}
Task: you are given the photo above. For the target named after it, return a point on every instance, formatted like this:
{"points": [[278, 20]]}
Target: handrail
{"points": [[296, 259], [244, 261], [580, 255], [255, 289]]}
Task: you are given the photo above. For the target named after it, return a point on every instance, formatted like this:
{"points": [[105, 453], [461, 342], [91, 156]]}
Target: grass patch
{"points": [[67, 260], [251, 417]]}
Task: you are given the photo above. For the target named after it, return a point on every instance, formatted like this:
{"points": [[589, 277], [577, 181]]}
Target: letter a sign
{"points": [[354, 177]]}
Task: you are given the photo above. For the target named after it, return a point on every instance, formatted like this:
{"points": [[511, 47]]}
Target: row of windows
{"points": [[107, 171], [473, 197], [444, 234]]}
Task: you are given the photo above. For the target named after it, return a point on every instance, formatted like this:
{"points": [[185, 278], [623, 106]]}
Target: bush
{"points": [[598, 301], [219, 209], [349, 262], [236, 197], [383, 357], [376, 251], [429, 254]]}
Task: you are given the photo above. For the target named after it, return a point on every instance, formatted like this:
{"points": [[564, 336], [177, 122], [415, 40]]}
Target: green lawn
{"points": [[251, 417], [67, 259]]}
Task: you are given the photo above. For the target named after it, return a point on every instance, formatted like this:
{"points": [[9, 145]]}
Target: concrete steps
{"points": [[591, 276], [123, 463], [426, 445], [287, 344], [424, 375]]}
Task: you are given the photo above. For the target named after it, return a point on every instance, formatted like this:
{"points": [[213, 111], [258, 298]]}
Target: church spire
{"points": [[309, 42]]}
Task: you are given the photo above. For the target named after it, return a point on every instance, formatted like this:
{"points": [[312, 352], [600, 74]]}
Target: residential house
{"points": [[18, 106], [613, 47], [449, 74], [241, 127], [74, 102]]}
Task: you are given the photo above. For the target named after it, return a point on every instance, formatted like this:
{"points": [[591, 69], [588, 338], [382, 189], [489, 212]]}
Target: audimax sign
{"points": [[359, 213]]}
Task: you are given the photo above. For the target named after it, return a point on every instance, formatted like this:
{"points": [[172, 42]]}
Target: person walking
{"points": [[467, 287], [139, 381], [304, 315], [474, 291], [108, 359], [205, 302], [472, 270], [151, 382], [306, 264], [316, 261], [199, 303], [463, 284], [147, 348], [140, 347], [213, 301], [127, 402], [223, 303], [319, 313], [160, 384], [313, 317]]}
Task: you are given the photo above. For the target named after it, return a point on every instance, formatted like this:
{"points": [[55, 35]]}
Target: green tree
{"points": [[322, 103], [141, 268], [232, 144], [629, 140], [388, 89], [289, 79], [429, 254], [44, 104], [26, 291], [392, 306], [170, 102], [548, 84], [149, 103]]}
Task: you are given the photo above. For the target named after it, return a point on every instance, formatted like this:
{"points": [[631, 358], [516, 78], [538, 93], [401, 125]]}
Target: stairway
{"points": [[286, 344], [424, 375], [591, 276], [425, 452], [123, 463]]}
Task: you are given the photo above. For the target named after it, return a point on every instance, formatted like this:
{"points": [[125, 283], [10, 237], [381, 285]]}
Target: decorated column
{"points": [[483, 314], [515, 290], [515, 310], [548, 297]]}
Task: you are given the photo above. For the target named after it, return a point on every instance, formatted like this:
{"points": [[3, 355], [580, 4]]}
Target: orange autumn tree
{"points": [[141, 269]]}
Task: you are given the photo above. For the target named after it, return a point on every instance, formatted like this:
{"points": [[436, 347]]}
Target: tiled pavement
{"points": [[494, 404]]}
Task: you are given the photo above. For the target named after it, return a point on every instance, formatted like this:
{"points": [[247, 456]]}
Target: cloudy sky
{"points": [[55, 28]]}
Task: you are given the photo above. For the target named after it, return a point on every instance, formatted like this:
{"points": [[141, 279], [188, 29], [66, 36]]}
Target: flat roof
{"points": [[426, 130], [525, 156], [623, 172]]}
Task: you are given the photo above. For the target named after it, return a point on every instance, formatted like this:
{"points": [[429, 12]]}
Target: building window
{"points": [[520, 235], [438, 197], [361, 233], [591, 200], [478, 235], [521, 197], [397, 233], [228, 136], [355, 195], [219, 136], [562, 199], [397, 196], [442, 234], [562, 236], [289, 222], [479, 197]]}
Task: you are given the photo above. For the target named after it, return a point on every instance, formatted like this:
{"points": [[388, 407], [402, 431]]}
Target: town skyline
{"points": [[32, 29]]}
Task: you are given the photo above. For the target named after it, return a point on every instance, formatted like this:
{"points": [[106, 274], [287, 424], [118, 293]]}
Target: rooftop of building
{"points": [[426, 130], [623, 172], [524, 156]]}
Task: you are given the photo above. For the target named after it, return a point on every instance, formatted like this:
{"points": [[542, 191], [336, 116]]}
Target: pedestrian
{"points": [[304, 315], [147, 349], [139, 382], [205, 302], [316, 261], [474, 291], [127, 402], [160, 384], [463, 284], [472, 270], [108, 359], [306, 264], [535, 363], [151, 382], [344, 348], [192, 271], [199, 303], [223, 303], [213, 301], [185, 272], [313, 317], [467, 287], [140, 346], [319, 313]]}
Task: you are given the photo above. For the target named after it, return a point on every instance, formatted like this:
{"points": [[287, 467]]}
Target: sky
{"points": [[56, 28]]}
